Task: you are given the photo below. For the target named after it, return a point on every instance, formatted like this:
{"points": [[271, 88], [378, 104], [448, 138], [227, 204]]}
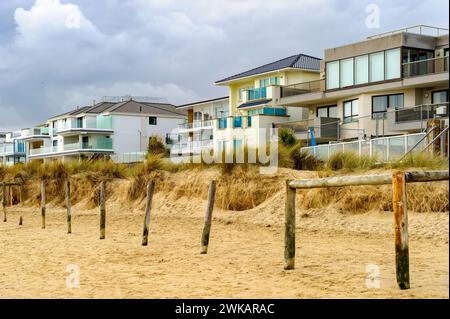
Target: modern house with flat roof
{"points": [[116, 129], [388, 84]]}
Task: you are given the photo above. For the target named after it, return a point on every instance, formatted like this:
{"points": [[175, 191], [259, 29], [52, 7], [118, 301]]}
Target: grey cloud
{"points": [[173, 49]]}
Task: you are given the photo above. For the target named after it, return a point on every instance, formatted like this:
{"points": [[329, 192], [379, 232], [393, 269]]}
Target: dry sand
{"points": [[245, 258]]}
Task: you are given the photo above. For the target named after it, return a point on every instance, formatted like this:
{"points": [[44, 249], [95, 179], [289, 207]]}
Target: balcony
{"points": [[324, 128], [425, 67], [302, 88], [101, 124], [257, 94], [192, 147], [100, 146], [35, 133], [196, 125]]}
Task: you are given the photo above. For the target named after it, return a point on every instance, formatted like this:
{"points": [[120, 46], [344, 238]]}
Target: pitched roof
{"points": [[130, 106], [298, 61]]}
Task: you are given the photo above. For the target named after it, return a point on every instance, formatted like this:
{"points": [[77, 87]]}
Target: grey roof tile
{"points": [[299, 61]]}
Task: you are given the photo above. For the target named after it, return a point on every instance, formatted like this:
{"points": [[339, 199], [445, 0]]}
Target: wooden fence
{"points": [[397, 179]]}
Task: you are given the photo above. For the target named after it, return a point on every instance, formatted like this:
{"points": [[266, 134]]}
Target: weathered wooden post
{"points": [[289, 235], [20, 221], [208, 218], [69, 209], [401, 229], [150, 190], [43, 203], [4, 203], [102, 210], [11, 195]]}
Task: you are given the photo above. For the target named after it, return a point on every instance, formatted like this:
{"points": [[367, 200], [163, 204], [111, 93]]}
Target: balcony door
{"points": [[85, 142]]}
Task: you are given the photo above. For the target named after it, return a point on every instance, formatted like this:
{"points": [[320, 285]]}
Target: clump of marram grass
{"points": [[350, 161], [420, 160]]}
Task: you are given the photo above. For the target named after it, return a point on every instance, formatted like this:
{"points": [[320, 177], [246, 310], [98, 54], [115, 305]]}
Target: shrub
{"points": [[156, 145], [287, 137]]}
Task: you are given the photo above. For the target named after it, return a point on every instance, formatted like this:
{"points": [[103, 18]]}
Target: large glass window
{"points": [[393, 70], [381, 103], [332, 75], [327, 111], [351, 111], [275, 80], [346, 72], [362, 69], [376, 66], [242, 91], [439, 97]]}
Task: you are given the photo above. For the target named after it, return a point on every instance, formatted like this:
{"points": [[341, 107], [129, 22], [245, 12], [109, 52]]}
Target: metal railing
{"points": [[129, 158], [197, 124], [383, 149], [418, 29], [192, 146], [105, 145], [425, 67], [302, 88], [256, 94]]}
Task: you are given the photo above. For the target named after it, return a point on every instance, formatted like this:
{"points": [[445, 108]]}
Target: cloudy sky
{"points": [[59, 54]]}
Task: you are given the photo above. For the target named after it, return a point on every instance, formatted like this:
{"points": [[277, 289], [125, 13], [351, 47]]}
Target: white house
{"points": [[117, 129], [12, 149]]}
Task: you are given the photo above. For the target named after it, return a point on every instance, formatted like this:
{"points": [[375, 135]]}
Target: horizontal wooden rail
{"points": [[9, 184], [339, 181]]}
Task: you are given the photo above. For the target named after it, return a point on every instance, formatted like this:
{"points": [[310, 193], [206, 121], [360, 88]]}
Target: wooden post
{"points": [[69, 209], [43, 203], [401, 229], [208, 218], [150, 190], [20, 221], [102, 211], [289, 239], [11, 196], [4, 203]]}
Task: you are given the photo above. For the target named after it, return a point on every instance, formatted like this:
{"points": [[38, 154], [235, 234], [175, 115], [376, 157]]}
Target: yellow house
{"points": [[251, 92]]}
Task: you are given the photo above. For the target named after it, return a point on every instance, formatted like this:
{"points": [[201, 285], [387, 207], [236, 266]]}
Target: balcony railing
{"points": [[422, 112], [105, 144], [302, 88], [196, 124], [425, 67], [256, 94], [39, 131]]}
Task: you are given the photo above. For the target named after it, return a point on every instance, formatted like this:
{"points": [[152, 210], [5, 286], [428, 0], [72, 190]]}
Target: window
{"points": [[80, 122], [275, 80], [55, 143], [393, 70], [327, 111], [346, 73], [439, 97], [197, 116], [243, 90], [351, 111], [362, 69], [152, 120], [381, 103], [376, 67], [332, 75]]}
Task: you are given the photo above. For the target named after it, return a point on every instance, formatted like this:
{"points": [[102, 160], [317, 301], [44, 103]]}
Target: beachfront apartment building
{"points": [[12, 149], [120, 130], [386, 85], [252, 108]]}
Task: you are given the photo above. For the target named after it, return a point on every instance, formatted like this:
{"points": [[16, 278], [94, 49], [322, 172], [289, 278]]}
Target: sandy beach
{"points": [[245, 258]]}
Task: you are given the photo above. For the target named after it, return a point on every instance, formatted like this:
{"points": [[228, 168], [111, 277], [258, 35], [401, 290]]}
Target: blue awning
{"points": [[254, 103]]}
